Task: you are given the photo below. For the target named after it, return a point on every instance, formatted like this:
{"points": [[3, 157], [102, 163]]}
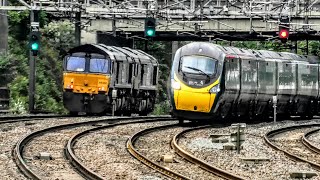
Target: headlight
{"points": [[215, 89], [175, 85]]}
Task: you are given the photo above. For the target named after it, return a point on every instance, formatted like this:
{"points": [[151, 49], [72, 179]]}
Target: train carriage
{"points": [[210, 81], [101, 79]]}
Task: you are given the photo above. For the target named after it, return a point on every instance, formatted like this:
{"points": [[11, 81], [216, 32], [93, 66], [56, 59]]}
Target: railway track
{"points": [[81, 167], [268, 139], [308, 144], [23, 142], [12, 119], [134, 152], [185, 154], [170, 171]]}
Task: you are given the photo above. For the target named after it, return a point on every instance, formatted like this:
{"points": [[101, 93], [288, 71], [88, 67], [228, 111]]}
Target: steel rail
{"points": [[77, 164], [272, 133], [12, 119], [17, 152], [204, 165], [134, 152], [308, 144]]}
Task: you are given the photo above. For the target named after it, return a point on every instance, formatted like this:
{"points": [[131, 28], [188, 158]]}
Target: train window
{"points": [[130, 73], [155, 69], [117, 73], [99, 65], [198, 65], [142, 74], [76, 64]]}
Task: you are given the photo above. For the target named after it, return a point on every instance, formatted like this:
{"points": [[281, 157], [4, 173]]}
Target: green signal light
{"points": [[34, 46], [150, 32]]}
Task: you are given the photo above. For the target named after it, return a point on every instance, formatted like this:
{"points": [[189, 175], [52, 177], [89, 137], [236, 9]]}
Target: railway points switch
{"points": [[237, 135], [302, 174], [167, 158], [254, 159], [44, 155], [219, 138]]}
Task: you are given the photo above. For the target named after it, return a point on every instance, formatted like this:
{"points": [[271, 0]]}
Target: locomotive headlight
{"points": [[175, 85], [215, 89]]}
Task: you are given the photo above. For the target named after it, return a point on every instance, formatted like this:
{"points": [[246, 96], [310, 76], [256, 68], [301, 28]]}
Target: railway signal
{"points": [[35, 42], [284, 29], [150, 27]]}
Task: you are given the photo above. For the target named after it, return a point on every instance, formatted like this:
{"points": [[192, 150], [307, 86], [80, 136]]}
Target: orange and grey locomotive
{"points": [[99, 79]]}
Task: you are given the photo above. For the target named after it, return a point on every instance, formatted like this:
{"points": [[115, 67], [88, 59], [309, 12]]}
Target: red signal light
{"points": [[284, 33]]}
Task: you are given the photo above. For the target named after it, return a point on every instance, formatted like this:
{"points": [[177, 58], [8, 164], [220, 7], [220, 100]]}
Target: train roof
{"points": [[211, 49], [201, 48], [115, 53]]}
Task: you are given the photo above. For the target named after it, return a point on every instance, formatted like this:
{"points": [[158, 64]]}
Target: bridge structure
{"points": [[181, 20]]}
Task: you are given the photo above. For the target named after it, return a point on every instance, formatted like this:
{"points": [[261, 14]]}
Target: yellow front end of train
{"points": [[195, 81], [191, 99]]}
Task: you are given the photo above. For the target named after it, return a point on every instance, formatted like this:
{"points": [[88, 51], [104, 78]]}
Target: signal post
{"points": [[34, 45]]}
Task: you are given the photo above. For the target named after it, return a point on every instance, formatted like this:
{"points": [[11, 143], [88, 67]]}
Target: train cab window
{"points": [[99, 65], [155, 70], [76, 64], [198, 65]]}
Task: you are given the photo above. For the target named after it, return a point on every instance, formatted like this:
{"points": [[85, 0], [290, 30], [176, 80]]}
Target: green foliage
{"points": [[162, 108], [19, 94], [56, 38]]}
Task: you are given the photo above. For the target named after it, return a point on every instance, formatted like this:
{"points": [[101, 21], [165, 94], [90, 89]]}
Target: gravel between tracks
{"points": [[156, 144], [278, 166], [291, 141], [10, 133], [315, 139], [105, 153]]}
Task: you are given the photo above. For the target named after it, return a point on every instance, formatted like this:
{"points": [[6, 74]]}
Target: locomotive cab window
{"points": [[76, 64], [198, 65], [99, 65]]}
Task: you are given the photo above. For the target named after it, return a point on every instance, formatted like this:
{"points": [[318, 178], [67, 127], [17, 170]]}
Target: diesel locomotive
{"points": [[99, 79], [212, 81]]}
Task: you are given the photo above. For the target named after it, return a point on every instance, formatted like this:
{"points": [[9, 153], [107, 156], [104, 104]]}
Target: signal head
{"points": [[284, 33], [150, 27], [34, 43]]}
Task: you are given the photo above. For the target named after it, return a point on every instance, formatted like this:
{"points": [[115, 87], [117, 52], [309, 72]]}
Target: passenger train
{"points": [[212, 81], [100, 79]]}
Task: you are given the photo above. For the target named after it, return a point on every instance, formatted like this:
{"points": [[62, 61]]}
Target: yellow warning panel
{"points": [[194, 101]]}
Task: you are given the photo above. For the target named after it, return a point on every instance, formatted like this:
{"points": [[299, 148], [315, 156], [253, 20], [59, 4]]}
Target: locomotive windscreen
{"points": [[99, 65], [198, 65], [76, 64], [95, 65]]}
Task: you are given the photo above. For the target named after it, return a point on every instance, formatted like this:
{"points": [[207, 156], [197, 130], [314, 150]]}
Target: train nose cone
{"points": [[195, 108]]}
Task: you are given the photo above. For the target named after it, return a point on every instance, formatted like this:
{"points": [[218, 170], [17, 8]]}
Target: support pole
{"points": [[175, 47], [78, 29], [114, 28], [4, 28], [274, 102], [32, 67]]}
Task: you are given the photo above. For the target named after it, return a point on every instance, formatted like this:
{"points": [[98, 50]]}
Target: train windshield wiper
{"points": [[199, 70]]}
